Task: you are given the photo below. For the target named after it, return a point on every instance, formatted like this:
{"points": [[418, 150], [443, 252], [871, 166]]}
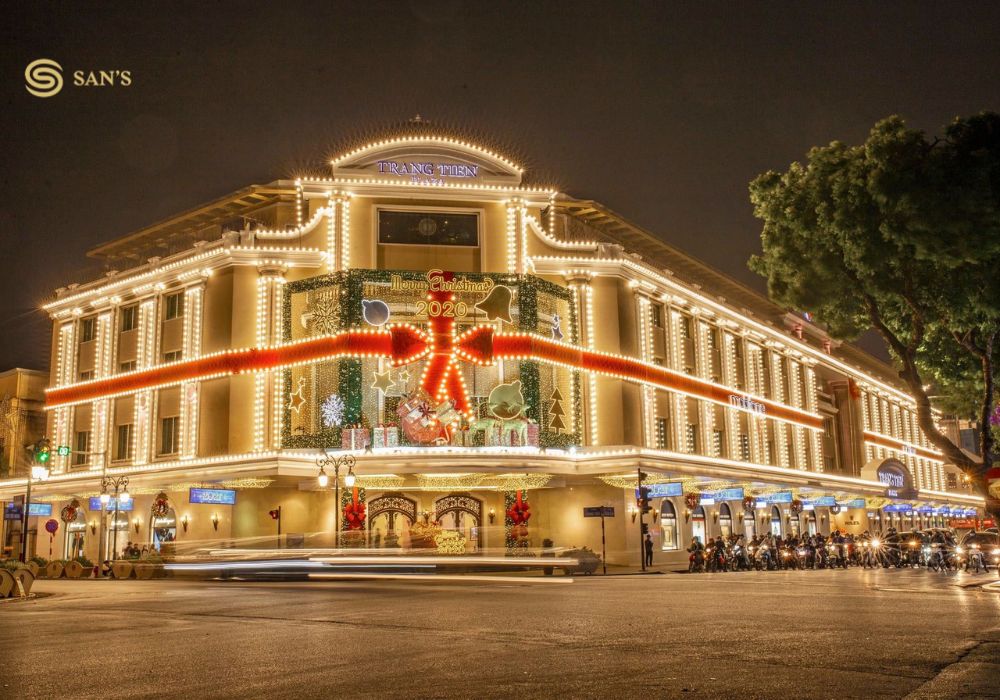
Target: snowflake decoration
{"points": [[333, 411], [325, 315]]}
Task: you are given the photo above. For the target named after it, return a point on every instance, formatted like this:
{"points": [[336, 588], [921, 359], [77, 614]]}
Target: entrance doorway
{"points": [[749, 526], [725, 520], [698, 524], [461, 513], [390, 517], [775, 521]]}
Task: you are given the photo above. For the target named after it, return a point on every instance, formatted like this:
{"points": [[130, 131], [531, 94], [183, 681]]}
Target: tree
{"points": [[900, 234]]}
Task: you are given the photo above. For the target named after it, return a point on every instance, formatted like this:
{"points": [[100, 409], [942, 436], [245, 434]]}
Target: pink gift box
{"points": [[354, 438]]}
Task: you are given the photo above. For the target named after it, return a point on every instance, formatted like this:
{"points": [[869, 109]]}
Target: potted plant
{"points": [[17, 572], [73, 569], [121, 569]]}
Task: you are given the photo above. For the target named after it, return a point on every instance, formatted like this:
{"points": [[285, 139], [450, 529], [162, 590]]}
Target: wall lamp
{"points": [[184, 521], [93, 527], [215, 520], [135, 523], [492, 515], [633, 511]]}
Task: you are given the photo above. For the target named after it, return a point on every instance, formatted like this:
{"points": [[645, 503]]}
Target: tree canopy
{"points": [[901, 234]]}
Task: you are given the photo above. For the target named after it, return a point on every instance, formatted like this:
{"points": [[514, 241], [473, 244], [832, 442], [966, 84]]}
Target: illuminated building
{"points": [[486, 348]]}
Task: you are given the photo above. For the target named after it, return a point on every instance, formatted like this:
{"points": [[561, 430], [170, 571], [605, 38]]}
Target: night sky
{"points": [[662, 111]]}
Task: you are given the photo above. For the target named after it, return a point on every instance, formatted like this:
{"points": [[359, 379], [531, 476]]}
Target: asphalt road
{"points": [[815, 634]]}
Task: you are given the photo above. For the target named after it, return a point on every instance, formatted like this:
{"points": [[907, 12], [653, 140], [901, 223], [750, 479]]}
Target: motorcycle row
{"points": [[936, 549]]}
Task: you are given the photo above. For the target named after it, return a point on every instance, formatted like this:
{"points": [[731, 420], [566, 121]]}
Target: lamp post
{"points": [[118, 486], [336, 462], [38, 473]]}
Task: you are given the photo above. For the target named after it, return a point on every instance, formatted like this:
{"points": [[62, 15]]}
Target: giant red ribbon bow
{"points": [[354, 512]]}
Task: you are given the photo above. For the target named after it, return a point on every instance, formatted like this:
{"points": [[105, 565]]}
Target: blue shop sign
{"points": [[665, 490], [822, 501], [123, 507], [856, 503], [41, 509], [925, 510], [12, 511], [735, 494], [898, 508], [221, 497], [780, 497]]}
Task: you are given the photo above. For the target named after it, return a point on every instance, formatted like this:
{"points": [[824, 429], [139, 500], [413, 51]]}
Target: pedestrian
{"points": [[649, 549]]}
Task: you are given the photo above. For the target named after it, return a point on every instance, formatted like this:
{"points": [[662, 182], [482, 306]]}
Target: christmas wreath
{"points": [[68, 514], [691, 500], [161, 506], [749, 503], [796, 506]]}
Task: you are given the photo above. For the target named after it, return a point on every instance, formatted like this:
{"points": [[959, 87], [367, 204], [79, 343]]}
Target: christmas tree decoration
{"points": [[382, 381], [557, 411], [332, 411], [496, 304], [296, 399], [375, 311], [507, 401]]}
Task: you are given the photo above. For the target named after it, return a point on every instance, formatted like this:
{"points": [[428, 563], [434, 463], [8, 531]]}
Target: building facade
{"points": [[498, 356]]}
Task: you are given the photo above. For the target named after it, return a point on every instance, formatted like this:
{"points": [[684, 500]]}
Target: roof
{"points": [[189, 223]]}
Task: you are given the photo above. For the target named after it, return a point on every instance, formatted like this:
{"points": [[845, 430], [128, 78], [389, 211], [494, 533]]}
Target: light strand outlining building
{"points": [[488, 350]]}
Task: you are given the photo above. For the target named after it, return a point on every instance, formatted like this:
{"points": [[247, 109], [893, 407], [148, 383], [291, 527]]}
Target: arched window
{"points": [[668, 525], [775, 521], [725, 520], [698, 524], [811, 523]]}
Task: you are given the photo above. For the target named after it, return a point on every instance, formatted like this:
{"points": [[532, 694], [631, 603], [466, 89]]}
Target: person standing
{"points": [[648, 544]]}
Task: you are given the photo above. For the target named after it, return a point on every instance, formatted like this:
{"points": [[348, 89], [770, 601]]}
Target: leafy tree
{"points": [[900, 234]]}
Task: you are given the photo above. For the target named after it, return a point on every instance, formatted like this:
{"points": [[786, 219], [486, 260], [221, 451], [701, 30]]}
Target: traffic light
{"points": [[275, 514], [43, 451], [644, 500]]}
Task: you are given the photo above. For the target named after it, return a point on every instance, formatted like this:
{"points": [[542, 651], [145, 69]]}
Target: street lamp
{"points": [[336, 462], [114, 487], [39, 472]]}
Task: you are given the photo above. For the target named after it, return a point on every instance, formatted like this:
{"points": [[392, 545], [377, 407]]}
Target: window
{"points": [[725, 520], [127, 366], [173, 306], [661, 433], [81, 448], [169, 435], [428, 228], [775, 521], [87, 329], [172, 356], [123, 442], [86, 376], [668, 526], [127, 318], [657, 311]]}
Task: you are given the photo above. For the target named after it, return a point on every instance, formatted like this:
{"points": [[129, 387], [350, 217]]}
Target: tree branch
{"points": [[911, 376]]}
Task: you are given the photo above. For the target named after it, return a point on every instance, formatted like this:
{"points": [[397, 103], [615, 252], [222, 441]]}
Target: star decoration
{"points": [[382, 381], [404, 378], [296, 399]]}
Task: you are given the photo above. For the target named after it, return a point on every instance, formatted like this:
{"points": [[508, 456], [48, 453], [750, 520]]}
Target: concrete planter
{"points": [[144, 570], [121, 569], [27, 579], [73, 569], [6, 583], [34, 568], [54, 569]]}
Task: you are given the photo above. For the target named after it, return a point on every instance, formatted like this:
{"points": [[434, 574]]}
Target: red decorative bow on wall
{"points": [[520, 511], [354, 512]]}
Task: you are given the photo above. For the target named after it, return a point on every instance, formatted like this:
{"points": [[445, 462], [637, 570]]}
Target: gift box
{"points": [[463, 437], [354, 438], [533, 433], [385, 436]]}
